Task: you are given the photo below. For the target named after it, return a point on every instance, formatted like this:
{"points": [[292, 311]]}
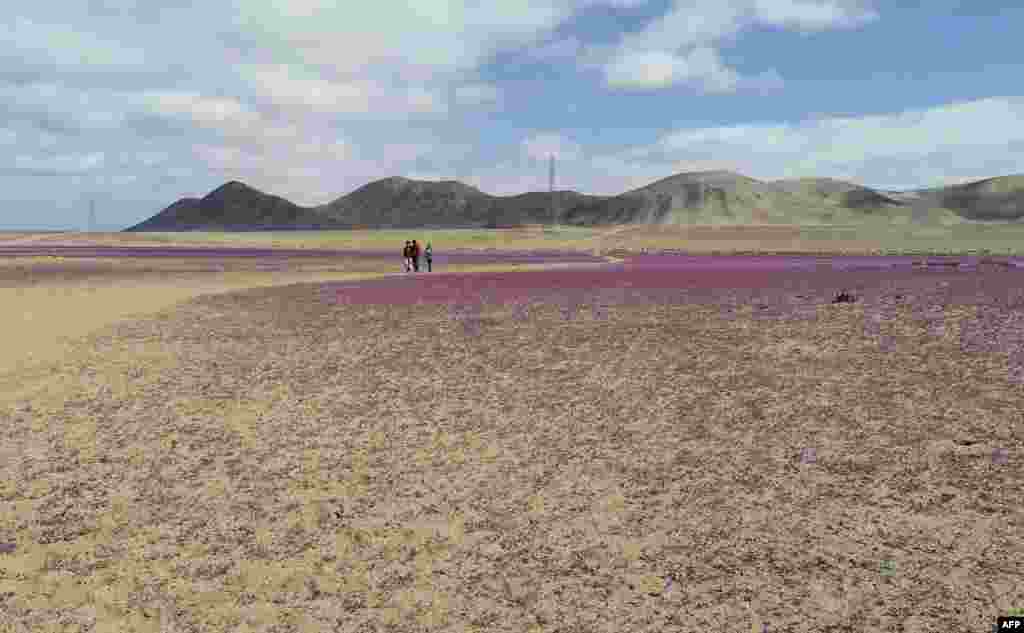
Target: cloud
{"points": [[680, 46], [434, 36], [931, 144], [310, 99], [658, 69], [812, 15], [199, 108], [58, 164], [473, 94], [302, 91], [60, 45]]}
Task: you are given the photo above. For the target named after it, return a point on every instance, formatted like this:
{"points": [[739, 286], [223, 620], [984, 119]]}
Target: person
{"points": [[407, 256], [429, 254], [415, 256]]}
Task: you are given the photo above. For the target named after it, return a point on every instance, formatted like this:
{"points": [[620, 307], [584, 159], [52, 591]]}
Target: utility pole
{"points": [[92, 216], [551, 189]]}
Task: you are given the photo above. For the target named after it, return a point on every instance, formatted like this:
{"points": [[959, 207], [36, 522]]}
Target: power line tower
{"points": [[92, 216], [551, 188]]}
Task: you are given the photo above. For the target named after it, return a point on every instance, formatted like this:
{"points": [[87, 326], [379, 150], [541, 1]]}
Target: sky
{"points": [[134, 104]]}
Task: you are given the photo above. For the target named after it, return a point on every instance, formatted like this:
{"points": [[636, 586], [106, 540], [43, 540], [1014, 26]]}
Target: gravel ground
{"points": [[651, 458]]}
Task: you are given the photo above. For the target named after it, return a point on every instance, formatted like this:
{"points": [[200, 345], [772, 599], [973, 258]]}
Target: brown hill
{"points": [[234, 206]]}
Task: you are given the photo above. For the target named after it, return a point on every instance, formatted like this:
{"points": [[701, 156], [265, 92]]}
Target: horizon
{"points": [[310, 104], [107, 228]]}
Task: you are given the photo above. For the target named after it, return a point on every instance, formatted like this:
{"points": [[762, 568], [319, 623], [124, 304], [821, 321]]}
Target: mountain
{"points": [[839, 192], [232, 205], [725, 197], [703, 197], [401, 202], [992, 199], [999, 198]]}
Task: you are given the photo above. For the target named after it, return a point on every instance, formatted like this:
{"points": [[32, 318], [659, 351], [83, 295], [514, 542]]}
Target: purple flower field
{"points": [[766, 288]]}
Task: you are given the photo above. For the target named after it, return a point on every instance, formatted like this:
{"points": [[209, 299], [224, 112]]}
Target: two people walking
{"points": [[411, 255]]}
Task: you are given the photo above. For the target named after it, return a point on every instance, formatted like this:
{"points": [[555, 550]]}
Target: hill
{"points": [[999, 198], [839, 192], [233, 205], [402, 202], [724, 197], [704, 197]]}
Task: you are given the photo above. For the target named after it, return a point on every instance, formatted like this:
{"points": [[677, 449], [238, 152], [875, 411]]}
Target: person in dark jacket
{"points": [[429, 254], [415, 256], [407, 256]]}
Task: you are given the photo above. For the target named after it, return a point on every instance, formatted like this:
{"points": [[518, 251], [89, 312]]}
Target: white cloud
{"points": [[214, 111], [659, 69], [443, 36], [810, 15], [310, 99], [304, 92], [476, 94], [224, 157], [921, 145], [679, 47], [323, 150], [946, 144], [61, 163], [283, 86]]}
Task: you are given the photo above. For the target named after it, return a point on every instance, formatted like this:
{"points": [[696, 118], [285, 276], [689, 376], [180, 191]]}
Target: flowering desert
{"points": [[650, 443]]}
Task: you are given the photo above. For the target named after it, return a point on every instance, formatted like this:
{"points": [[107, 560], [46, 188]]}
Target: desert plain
{"points": [[233, 441]]}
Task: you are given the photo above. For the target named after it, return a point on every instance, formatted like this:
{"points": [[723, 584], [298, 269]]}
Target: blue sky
{"points": [[136, 103]]}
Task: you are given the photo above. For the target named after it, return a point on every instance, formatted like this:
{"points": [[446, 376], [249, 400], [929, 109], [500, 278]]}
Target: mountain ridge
{"points": [[699, 197]]}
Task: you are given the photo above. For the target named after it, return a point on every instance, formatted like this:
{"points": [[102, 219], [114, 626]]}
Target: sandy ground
{"points": [[269, 460], [54, 301], [13, 239]]}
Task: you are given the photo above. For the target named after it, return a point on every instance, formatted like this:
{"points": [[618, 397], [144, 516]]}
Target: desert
{"points": [[599, 435]]}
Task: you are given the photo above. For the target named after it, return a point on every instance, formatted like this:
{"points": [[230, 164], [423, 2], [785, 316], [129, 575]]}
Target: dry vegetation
{"points": [[269, 460]]}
